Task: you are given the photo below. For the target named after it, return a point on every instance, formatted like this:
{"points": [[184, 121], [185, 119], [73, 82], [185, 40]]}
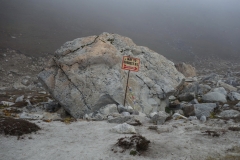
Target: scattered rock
{"points": [[186, 97], [214, 97], [172, 98], [25, 115], [234, 96], [203, 119], [19, 99], [225, 105], [51, 117], [238, 104], [52, 106], [227, 87], [121, 109], [125, 113], [188, 110], [194, 101], [5, 103], [186, 69], [204, 109], [178, 116], [124, 129], [159, 118], [220, 90], [109, 109], [25, 82], [229, 114], [99, 117], [191, 118], [122, 119]]}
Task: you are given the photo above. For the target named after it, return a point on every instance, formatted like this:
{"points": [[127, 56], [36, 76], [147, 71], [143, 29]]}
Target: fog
{"points": [[180, 30]]}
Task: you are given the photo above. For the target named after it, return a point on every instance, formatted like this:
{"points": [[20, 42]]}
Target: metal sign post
{"points": [[130, 64]]}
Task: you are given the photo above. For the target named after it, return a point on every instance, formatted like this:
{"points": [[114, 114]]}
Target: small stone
{"points": [[5, 103], [51, 117], [234, 96], [51, 106], [125, 113], [191, 118], [25, 82], [109, 109], [188, 110], [122, 119], [204, 109], [220, 90], [214, 97], [25, 115], [159, 118], [203, 119], [99, 117], [152, 114], [186, 97], [110, 117], [238, 104], [225, 105], [42, 92], [19, 99], [194, 101], [172, 98], [178, 116], [229, 113], [124, 129]]}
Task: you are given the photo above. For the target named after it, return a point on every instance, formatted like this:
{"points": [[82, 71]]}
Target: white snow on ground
{"points": [[84, 140]]}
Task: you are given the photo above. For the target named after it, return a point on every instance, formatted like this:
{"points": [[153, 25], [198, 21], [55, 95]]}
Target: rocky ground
{"points": [[201, 122]]}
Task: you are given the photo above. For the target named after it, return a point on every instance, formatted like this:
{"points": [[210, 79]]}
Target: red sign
{"points": [[130, 63]]}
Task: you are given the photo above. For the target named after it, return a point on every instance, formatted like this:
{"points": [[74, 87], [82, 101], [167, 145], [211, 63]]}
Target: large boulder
{"points": [[85, 74]]}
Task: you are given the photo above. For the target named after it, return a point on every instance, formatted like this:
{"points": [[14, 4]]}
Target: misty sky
{"points": [[177, 29]]}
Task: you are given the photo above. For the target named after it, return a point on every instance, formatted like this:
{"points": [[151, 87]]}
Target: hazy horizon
{"points": [[179, 30]]}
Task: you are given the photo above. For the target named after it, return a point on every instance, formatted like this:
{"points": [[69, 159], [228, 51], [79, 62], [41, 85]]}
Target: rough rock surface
{"points": [[85, 74], [214, 97], [124, 129], [204, 109], [186, 69], [234, 96], [229, 113]]}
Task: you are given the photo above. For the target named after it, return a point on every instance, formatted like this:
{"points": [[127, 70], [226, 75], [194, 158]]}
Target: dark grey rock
{"points": [[238, 104], [188, 110], [191, 118], [52, 106]]}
